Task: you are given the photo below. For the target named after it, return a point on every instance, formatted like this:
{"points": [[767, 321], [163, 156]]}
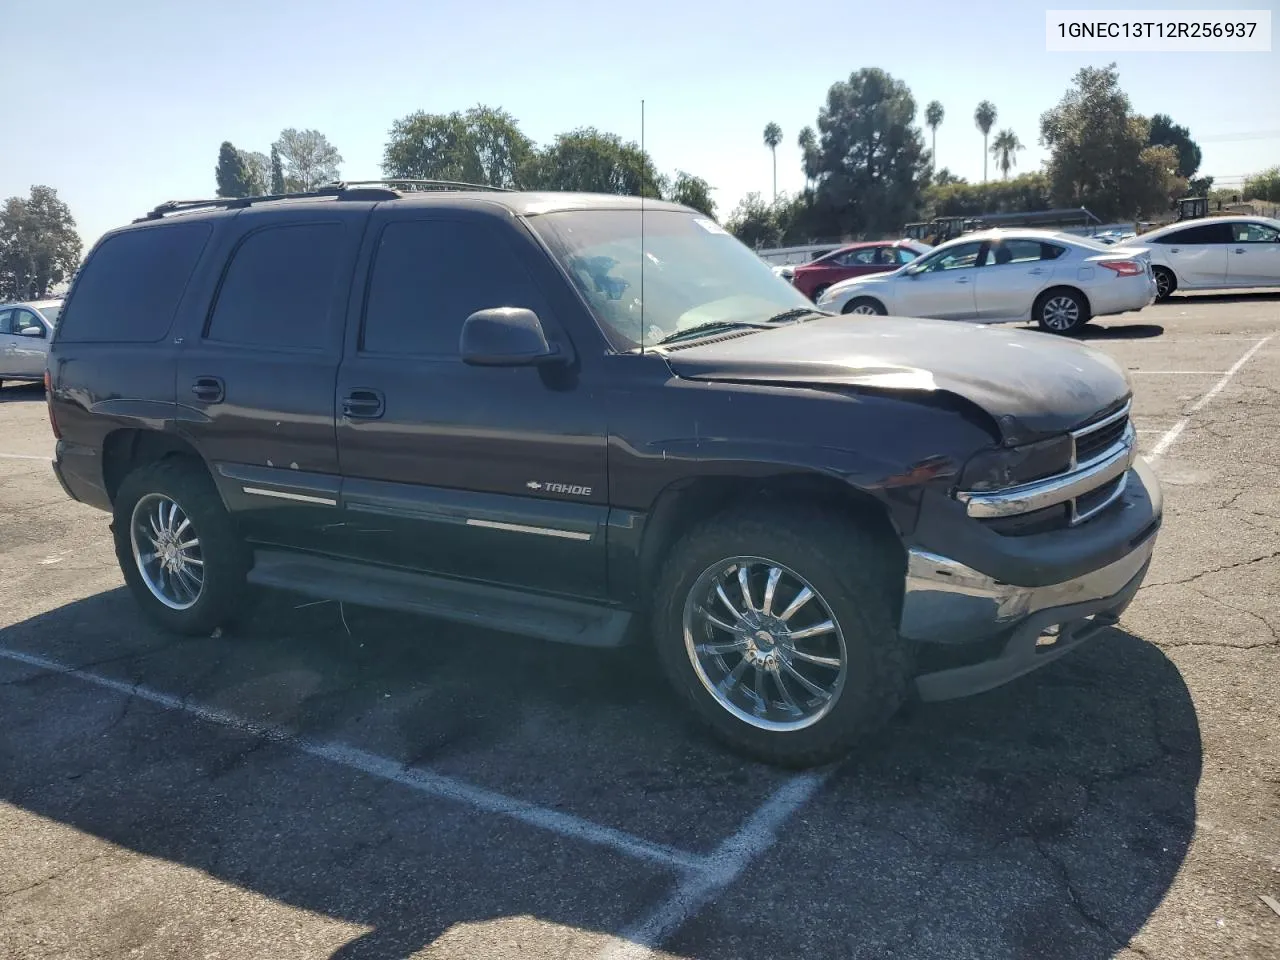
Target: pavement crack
{"points": [[4, 895], [1204, 573], [1094, 921], [1275, 637]]}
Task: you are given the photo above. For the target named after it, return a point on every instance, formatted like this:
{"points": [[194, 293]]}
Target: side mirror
{"points": [[505, 337], [32, 332]]}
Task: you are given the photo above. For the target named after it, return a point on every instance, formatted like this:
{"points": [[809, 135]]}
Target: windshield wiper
{"points": [[795, 313], [709, 327]]}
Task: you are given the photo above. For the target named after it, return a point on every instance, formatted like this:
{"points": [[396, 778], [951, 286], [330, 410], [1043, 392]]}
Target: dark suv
{"points": [[568, 415]]}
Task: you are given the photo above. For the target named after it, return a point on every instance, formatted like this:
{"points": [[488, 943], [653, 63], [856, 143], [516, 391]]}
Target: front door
{"points": [[1254, 257], [944, 287], [487, 473], [29, 344], [7, 343]]}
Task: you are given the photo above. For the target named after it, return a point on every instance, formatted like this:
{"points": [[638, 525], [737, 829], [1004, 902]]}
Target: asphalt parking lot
{"points": [[340, 782]]}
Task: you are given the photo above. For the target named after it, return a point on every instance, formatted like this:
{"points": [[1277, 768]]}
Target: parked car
{"points": [[456, 403], [1215, 253], [855, 260], [25, 330], [1058, 280]]}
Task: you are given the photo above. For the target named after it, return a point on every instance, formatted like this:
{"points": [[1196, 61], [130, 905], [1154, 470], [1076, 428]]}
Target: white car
{"points": [[1214, 253], [25, 331], [1058, 280]]}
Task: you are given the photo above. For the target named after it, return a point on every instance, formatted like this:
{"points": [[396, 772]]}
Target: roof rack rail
{"points": [[235, 203], [438, 184]]}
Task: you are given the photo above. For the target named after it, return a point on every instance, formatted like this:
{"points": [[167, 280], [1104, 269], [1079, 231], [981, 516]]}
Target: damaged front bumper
{"points": [[1014, 629]]}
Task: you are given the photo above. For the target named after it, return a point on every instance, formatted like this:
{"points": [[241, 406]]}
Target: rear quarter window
{"points": [[128, 290]]}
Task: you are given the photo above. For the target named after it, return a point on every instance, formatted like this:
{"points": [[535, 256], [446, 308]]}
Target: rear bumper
{"points": [[79, 471]]}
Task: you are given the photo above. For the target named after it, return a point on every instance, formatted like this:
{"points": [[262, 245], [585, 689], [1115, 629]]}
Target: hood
{"points": [[1032, 384], [867, 279]]}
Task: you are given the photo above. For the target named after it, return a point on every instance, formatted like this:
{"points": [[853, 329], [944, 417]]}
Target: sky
{"points": [[120, 106]]}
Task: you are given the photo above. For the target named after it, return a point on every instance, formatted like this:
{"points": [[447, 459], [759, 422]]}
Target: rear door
{"points": [[1254, 257], [7, 344], [488, 473], [1198, 254], [1013, 276], [257, 368]]}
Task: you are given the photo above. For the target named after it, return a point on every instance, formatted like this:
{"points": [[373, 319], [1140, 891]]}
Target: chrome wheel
{"points": [[864, 309], [764, 643], [1163, 285], [1060, 313], [167, 551]]}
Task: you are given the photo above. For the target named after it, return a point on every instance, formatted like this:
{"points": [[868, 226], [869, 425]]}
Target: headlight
{"points": [[1010, 466]]}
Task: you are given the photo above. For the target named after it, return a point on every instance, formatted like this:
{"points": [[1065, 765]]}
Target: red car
{"points": [[854, 260]]}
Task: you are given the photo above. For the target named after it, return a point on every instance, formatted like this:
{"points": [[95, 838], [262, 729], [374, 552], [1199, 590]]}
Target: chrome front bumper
{"points": [[950, 604]]}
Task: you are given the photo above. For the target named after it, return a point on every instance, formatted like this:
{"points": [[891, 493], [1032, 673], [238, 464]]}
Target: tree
{"points": [[1264, 185], [692, 192], [483, 145], [589, 160], [309, 160], [933, 115], [870, 164], [948, 197], [1164, 132], [945, 176], [1005, 150], [39, 246], [258, 170], [773, 137], [985, 118], [1099, 154], [277, 172], [755, 223], [231, 173], [807, 141]]}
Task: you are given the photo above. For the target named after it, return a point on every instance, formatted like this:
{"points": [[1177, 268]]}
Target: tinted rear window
{"points": [[278, 290], [129, 289]]}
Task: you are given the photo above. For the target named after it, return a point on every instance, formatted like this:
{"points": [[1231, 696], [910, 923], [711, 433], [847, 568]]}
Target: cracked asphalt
{"points": [[1122, 802]]}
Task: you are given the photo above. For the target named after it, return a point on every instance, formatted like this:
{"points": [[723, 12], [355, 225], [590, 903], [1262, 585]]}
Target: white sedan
{"points": [[1214, 253], [1058, 280]]}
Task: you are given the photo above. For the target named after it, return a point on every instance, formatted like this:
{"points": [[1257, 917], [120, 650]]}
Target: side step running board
{"points": [[480, 605]]}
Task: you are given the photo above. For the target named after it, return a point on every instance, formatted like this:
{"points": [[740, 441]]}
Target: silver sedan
{"points": [[1057, 280]]}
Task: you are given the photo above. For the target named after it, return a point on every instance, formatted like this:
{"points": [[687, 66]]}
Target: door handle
{"points": [[1175, 250], [1036, 272], [1239, 249], [209, 389], [363, 405], [963, 280]]}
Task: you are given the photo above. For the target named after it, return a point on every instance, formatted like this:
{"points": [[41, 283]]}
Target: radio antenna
{"points": [[643, 163]]}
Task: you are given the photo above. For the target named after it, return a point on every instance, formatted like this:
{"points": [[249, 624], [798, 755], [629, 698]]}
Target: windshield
{"points": [[50, 312], [694, 272]]}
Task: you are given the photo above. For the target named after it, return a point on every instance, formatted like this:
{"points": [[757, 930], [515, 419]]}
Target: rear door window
{"points": [[129, 289], [279, 287], [1201, 233]]}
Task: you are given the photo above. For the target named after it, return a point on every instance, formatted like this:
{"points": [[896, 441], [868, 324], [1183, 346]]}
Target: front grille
{"points": [[1091, 501], [1090, 442]]}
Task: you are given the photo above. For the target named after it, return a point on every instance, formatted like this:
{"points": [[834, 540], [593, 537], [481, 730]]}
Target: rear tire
{"points": [[865, 306], [1166, 283], [1062, 311], [777, 703], [178, 549]]}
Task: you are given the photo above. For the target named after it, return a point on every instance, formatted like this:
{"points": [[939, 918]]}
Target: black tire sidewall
{"points": [[869, 301], [223, 551], [878, 663], [1173, 283], [1081, 305]]}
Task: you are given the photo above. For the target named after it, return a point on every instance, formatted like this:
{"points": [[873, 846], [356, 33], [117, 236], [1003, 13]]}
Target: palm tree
{"points": [[985, 118], [808, 144], [933, 115], [773, 137], [1005, 148]]}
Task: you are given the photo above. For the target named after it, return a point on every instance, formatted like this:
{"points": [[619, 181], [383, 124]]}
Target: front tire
{"points": [[778, 630], [178, 549], [1061, 311], [865, 306]]}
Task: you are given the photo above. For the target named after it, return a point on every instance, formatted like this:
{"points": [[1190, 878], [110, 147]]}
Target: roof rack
{"points": [[339, 189], [437, 184]]}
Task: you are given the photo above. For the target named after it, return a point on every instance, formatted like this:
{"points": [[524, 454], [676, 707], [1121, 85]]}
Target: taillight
{"points": [[48, 402], [1123, 268]]}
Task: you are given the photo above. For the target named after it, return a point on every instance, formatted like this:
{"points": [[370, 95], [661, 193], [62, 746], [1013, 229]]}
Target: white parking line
{"points": [[24, 456], [1167, 441], [1170, 372], [720, 869], [447, 788]]}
